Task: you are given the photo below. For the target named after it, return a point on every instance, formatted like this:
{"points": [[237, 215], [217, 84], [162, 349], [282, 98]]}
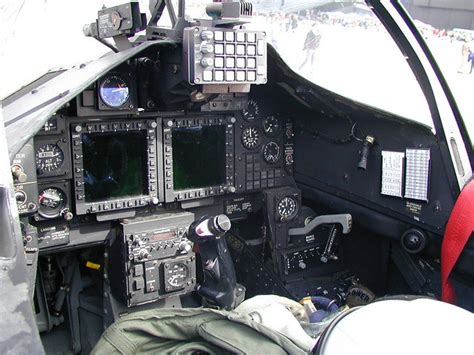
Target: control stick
{"points": [[220, 286]]}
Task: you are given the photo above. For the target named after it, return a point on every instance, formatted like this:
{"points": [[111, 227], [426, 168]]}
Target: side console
{"points": [[152, 259], [303, 244]]}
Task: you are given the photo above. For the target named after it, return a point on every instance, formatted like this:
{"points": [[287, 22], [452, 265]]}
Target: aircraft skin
{"points": [[106, 165]]}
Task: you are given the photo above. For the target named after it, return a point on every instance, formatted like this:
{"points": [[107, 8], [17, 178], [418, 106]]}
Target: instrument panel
{"points": [[109, 160]]}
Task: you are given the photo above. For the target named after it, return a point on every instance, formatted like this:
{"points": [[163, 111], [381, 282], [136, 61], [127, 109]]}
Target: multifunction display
{"points": [[115, 165], [198, 154], [198, 157]]}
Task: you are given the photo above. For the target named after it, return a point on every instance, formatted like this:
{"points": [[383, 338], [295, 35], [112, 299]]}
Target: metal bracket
{"points": [[345, 220], [117, 22]]}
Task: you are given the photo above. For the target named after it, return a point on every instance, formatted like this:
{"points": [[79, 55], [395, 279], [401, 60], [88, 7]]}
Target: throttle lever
{"points": [[332, 245], [344, 219]]}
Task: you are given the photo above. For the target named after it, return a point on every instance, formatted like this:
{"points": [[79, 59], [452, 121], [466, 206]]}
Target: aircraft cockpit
{"points": [[191, 166]]}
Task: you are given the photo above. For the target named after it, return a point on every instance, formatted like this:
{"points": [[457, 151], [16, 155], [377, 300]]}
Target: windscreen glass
{"points": [[343, 47], [114, 165], [198, 157]]}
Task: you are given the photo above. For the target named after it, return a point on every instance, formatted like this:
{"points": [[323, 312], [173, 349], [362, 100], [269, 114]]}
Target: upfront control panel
{"points": [[224, 55], [153, 259]]}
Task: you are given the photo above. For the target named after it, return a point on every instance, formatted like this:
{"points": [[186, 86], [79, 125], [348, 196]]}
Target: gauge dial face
{"points": [[271, 152], [51, 201], [177, 275], [49, 157], [250, 113], [114, 91], [286, 208], [250, 137], [272, 126]]}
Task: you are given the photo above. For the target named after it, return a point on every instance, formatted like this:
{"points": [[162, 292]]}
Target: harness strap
{"points": [[458, 231]]}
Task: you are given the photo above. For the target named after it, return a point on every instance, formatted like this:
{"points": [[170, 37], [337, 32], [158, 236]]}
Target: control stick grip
{"points": [[344, 219], [219, 287]]}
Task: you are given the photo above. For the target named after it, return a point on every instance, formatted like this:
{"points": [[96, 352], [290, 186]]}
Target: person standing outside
{"points": [[464, 57], [311, 43], [470, 56]]}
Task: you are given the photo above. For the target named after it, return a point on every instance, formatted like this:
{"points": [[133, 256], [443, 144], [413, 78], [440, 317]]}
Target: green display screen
{"points": [[115, 165], [198, 157]]}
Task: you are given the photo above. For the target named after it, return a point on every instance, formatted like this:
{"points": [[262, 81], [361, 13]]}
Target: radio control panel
{"points": [[152, 259]]}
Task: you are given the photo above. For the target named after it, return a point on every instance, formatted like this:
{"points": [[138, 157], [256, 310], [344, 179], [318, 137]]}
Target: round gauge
{"points": [[250, 113], [271, 126], [250, 137], [49, 157], [51, 202], [287, 208], [177, 275], [271, 152], [114, 91]]}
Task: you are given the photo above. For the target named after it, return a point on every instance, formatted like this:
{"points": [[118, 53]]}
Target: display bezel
{"points": [[152, 175], [171, 194]]}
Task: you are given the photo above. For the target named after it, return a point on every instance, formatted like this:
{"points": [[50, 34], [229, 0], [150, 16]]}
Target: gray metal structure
{"points": [[443, 14]]}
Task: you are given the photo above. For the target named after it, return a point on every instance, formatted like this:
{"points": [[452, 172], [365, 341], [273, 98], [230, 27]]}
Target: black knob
{"points": [[20, 197], [413, 241]]}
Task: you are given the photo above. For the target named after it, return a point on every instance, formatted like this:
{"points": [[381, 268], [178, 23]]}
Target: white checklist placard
{"points": [[392, 173], [417, 174]]}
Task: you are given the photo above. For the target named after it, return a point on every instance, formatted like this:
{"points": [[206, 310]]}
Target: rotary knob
{"points": [[207, 48], [207, 62], [207, 35], [184, 246], [20, 197], [18, 173], [67, 215], [143, 254]]}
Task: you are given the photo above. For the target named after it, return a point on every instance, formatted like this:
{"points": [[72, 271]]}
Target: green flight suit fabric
{"points": [[189, 330]]}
